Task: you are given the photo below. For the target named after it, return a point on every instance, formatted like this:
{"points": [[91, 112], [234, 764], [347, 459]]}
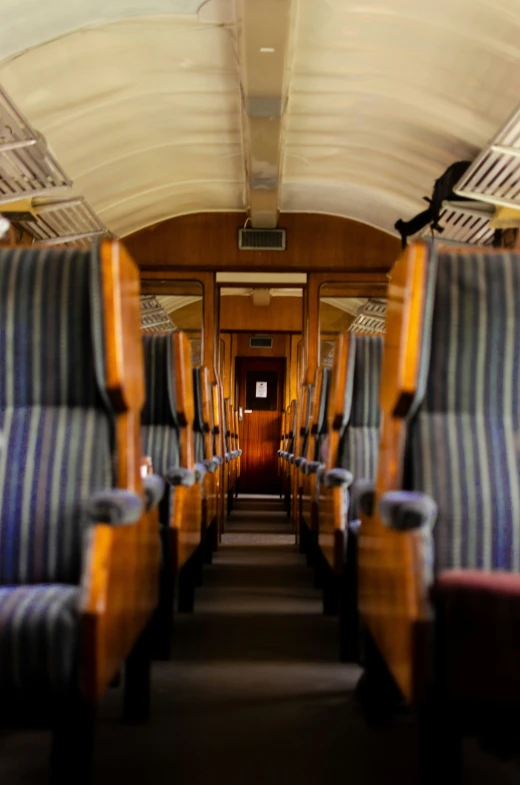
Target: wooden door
{"points": [[260, 398]]}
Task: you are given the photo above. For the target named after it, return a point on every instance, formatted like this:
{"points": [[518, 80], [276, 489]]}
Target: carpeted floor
{"points": [[254, 693]]}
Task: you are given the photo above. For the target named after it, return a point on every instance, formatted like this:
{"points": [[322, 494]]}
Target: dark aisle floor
{"points": [[254, 694]]}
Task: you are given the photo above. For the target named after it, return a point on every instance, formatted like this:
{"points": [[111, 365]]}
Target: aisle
{"points": [[254, 694]]}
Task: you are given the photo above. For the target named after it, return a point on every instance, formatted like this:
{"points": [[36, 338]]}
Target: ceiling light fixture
{"points": [[267, 49]]}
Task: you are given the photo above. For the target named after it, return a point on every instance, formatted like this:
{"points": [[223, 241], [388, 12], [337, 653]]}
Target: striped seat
{"points": [[167, 436], [359, 442], [463, 450], [57, 441], [198, 424], [160, 430], [357, 451], [39, 643], [159, 426]]}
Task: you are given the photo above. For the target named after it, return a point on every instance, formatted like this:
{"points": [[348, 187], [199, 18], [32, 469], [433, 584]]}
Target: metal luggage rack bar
{"points": [[27, 166], [463, 223], [494, 176]]}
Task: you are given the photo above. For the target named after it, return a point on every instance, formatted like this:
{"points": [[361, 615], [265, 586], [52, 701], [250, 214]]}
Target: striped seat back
{"points": [[359, 442], [320, 424], [293, 425], [198, 423], [55, 419], [463, 436], [305, 414], [159, 426]]}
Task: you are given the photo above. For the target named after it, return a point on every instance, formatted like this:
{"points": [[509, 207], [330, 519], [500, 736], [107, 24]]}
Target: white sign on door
{"points": [[261, 389]]}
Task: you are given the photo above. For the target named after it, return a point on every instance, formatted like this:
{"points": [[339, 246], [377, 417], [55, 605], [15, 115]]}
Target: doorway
{"points": [[260, 399]]}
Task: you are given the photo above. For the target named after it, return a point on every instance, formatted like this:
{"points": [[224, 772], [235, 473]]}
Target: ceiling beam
{"points": [[264, 29]]}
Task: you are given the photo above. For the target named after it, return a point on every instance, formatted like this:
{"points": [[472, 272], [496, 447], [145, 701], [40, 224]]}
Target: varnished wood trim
{"points": [[208, 241]]}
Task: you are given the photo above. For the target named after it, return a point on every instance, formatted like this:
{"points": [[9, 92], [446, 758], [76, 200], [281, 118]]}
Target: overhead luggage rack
{"points": [[370, 319], [58, 222], [464, 222], [154, 318], [494, 176], [27, 166]]}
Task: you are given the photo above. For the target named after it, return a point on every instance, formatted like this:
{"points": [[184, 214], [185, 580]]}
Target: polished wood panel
{"points": [[186, 521], [260, 431], [119, 587], [279, 348], [310, 508], [167, 282], [392, 596], [283, 314], [210, 479], [332, 500], [314, 242], [355, 287]]}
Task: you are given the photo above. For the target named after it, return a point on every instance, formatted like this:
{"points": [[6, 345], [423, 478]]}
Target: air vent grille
{"points": [[261, 239], [260, 342]]}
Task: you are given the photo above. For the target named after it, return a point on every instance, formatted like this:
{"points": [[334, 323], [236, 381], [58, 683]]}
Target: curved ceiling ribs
{"points": [[157, 108]]}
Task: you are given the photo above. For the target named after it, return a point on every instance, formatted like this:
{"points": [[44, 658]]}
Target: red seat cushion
{"points": [[478, 635]]}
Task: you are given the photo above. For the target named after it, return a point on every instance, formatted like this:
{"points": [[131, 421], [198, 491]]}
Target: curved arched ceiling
{"points": [[141, 100]]}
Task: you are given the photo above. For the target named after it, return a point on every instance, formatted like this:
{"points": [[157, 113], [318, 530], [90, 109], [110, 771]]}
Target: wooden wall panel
{"points": [[284, 314], [260, 430], [314, 242], [353, 288], [243, 349], [225, 363], [162, 283], [293, 388]]}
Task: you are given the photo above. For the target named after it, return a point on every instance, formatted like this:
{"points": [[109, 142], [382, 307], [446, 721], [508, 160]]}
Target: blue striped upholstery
{"points": [[39, 637], [49, 308], [320, 425], [52, 459], [198, 424], [161, 443], [304, 431], [159, 425], [359, 444], [159, 431], [368, 355], [464, 436], [160, 406], [55, 427]]}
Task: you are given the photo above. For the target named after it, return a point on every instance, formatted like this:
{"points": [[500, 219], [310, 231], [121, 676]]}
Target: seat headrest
{"points": [[470, 350], [51, 328], [368, 355], [160, 406]]}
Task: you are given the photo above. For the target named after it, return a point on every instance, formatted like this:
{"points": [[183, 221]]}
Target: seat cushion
{"points": [[478, 635], [39, 635]]}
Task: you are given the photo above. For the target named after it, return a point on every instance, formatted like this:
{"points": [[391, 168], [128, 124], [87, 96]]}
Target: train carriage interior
{"points": [[259, 392]]}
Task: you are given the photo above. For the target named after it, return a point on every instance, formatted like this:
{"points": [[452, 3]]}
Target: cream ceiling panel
{"points": [[385, 95], [140, 100], [29, 23], [144, 115]]}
